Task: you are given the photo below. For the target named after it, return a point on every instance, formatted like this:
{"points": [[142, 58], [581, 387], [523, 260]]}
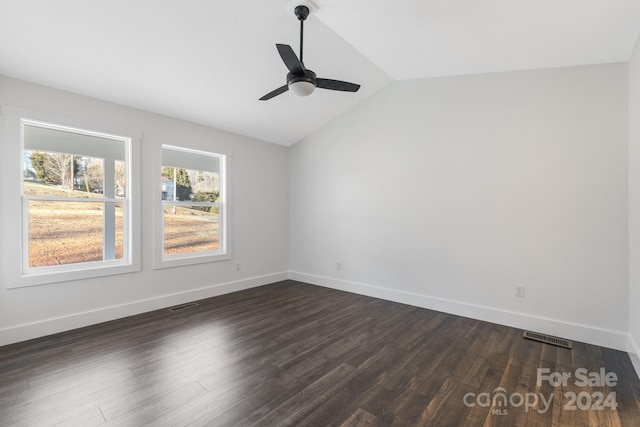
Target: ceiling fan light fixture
{"points": [[302, 88]]}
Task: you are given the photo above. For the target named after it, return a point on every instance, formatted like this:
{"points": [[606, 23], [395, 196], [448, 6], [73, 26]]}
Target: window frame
{"points": [[162, 260], [17, 272]]}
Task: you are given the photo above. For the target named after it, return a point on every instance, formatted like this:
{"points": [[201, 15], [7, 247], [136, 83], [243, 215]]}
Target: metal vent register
{"points": [[548, 339], [183, 306]]}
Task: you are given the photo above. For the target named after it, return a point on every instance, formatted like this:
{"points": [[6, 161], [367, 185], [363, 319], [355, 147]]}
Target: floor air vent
{"points": [[547, 339], [183, 306]]}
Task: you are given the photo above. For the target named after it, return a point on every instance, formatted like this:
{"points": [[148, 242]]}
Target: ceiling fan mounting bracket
{"points": [[302, 12], [293, 4]]}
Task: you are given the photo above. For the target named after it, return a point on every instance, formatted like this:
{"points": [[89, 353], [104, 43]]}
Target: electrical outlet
{"points": [[338, 265], [237, 266], [520, 291]]}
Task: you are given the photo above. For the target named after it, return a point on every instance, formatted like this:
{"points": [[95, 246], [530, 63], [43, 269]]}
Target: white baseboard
{"points": [[572, 331], [591, 335], [634, 353], [42, 328]]}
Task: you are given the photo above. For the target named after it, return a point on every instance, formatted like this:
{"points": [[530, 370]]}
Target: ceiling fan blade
{"points": [[337, 85], [273, 93], [290, 59]]}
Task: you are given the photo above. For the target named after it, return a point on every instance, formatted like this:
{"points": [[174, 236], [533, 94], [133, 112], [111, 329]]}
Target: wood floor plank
{"points": [[292, 410], [146, 404], [360, 418], [296, 354]]}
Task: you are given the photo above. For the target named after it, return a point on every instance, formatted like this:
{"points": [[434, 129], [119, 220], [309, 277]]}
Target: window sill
{"points": [[189, 259], [46, 277]]}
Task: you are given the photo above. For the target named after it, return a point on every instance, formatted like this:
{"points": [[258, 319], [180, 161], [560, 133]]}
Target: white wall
{"points": [[442, 193], [634, 205], [447, 192], [260, 218]]}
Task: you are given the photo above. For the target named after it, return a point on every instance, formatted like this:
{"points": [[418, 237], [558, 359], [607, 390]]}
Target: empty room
{"points": [[319, 213]]}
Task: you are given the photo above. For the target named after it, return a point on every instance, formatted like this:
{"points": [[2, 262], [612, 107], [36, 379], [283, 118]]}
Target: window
{"points": [[192, 208], [76, 207]]}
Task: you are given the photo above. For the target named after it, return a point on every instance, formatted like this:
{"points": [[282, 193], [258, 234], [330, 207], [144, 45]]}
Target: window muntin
{"points": [[75, 204], [192, 205]]}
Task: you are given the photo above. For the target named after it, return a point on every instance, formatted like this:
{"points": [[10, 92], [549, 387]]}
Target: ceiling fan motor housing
{"points": [[307, 76]]}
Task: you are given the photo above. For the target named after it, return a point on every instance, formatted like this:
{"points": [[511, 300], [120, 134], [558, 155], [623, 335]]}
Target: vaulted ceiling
{"points": [[208, 61]]}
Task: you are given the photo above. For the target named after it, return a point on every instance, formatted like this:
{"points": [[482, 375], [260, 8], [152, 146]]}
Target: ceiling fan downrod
{"points": [[302, 12]]}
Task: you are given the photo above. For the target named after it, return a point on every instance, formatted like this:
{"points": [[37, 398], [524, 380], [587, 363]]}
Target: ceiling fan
{"points": [[300, 80]]}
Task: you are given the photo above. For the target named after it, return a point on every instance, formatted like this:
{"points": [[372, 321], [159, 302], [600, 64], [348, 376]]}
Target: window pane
{"points": [[205, 185], [70, 232], [119, 231], [120, 183], [190, 185], [190, 229], [50, 174], [92, 178]]}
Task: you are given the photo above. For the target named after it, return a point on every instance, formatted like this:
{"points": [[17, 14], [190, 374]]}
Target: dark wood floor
{"points": [[296, 354]]}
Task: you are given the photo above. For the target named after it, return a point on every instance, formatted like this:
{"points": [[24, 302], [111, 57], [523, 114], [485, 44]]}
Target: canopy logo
{"points": [[500, 401]]}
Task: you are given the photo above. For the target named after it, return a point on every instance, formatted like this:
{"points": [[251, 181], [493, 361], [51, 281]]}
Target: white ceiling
{"points": [[208, 61]]}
